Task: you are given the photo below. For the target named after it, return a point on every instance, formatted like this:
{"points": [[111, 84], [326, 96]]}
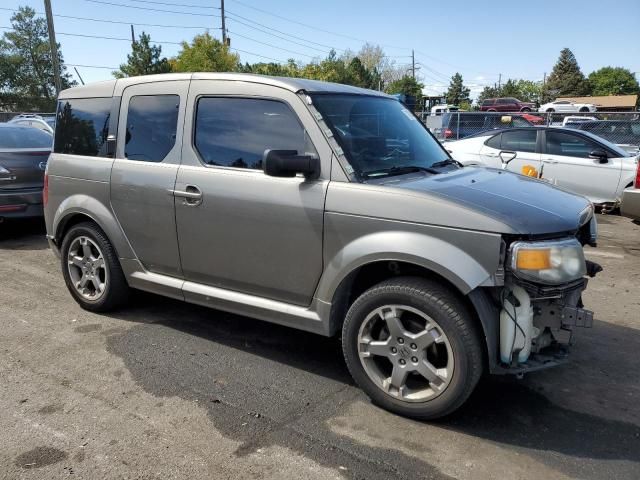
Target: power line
{"points": [[90, 66], [154, 41], [270, 45], [275, 30], [153, 9], [280, 37], [89, 19], [174, 4], [314, 27]]}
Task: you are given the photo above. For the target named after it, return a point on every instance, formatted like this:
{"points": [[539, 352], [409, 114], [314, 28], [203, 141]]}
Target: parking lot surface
{"points": [[165, 390]]}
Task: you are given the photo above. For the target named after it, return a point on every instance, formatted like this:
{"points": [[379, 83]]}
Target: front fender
{"points": [[81, 204], [435, 254]]}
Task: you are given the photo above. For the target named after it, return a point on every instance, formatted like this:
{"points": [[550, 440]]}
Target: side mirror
{"points": [[599, 155], [506, 157], [287, 163]]}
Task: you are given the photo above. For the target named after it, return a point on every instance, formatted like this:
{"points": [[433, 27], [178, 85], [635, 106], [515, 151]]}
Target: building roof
{"points": [[606, 101], [115, 87]]}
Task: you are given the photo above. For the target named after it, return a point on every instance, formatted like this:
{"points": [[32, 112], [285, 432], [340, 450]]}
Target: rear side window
{"points": [[152, 122], [559, 143], [494, 142], [235, 132], [519, 141], [82, 125], [504, 101], [24, 137], [487, 102]]}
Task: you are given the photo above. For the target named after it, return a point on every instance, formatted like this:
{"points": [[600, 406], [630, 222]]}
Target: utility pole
{"points": [[54, 47], [544, 79], [224, 29], [133, 36], [413, 64], [499, 80]]}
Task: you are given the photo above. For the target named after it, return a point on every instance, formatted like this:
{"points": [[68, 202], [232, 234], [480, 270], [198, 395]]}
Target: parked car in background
{"points": [[567, 106], [24, 152], [624, 133], [441, 109], [575, 160], [507, 104], [459, 125], [34, 121], [573, 121], [534, 119], [323, 207], [630, 206]]}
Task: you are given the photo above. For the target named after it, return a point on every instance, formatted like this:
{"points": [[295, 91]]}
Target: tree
{"points": [[406, 85], [613, 81], [488, 92], [358, 75], [566, 78], [144, 59], [457, 92], [205, 54], [26, 70]]}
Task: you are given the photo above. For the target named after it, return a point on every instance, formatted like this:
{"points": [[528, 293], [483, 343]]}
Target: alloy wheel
{"points": [[405, 353], [87, 268]]}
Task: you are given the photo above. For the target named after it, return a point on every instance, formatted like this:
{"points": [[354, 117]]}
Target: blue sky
{"points": [[480, 39]]}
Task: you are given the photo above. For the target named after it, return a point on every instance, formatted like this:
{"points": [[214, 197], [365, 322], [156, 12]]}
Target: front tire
{"points": [[91, 269], [413, 347], [584, 110]]}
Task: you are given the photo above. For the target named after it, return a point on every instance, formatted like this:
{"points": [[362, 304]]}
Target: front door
{"points": [[144, 171], [566, 163], [238, 228]]}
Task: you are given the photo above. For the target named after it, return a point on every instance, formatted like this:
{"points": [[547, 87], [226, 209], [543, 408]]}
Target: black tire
{"points": [[117, 290], [443, 306], [583, 110], [526, 110], [551, 110]]}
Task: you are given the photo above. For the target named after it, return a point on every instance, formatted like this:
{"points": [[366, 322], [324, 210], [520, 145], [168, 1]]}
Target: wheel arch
{"points": [[477, 301], [78, 208]]}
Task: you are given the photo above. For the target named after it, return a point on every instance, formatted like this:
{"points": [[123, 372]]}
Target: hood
{"points": [[528, 206]]}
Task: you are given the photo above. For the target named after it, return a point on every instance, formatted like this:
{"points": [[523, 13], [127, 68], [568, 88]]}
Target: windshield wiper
{"points": [[399, 170], [448, 161]]}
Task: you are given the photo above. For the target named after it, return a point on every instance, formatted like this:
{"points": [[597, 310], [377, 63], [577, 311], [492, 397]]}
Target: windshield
{"points": [[379, 136]]}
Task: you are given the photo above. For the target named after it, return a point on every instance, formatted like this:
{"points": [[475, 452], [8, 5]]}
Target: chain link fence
{"points": [[620, 128]]}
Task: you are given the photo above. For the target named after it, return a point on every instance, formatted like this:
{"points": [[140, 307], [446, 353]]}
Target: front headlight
{"points": [[551, 262]]}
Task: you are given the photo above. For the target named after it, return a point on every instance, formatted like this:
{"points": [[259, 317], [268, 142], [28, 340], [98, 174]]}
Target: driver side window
{"points": [[560, 143]]}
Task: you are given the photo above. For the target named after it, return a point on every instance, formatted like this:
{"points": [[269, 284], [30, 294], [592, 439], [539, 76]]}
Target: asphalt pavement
{"points": [[165, 390]]}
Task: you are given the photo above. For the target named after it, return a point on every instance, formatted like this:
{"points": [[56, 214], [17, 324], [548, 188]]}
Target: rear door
{"points": [[521, 143], [566, 162], [144, 171]]}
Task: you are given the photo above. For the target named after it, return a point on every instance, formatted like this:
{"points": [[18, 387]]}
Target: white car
{"points": [[576, 120], [34, 121], [567, 106], [573, 159]]}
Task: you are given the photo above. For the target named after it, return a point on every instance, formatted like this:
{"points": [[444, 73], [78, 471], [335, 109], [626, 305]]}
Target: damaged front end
{"points": [[541, 302]]}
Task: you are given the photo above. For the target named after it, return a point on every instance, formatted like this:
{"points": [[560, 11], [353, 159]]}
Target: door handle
{"points": [[549, 161], [192, 195], [491, 154]]}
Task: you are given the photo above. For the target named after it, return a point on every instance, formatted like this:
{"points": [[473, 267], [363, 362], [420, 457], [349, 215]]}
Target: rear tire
{"points": [[91, 269], [413, 347], [526, 110], [584, 110], [551, 110]]}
